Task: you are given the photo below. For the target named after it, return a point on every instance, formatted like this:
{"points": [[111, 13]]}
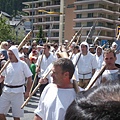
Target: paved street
{"points": [[28, 110]]}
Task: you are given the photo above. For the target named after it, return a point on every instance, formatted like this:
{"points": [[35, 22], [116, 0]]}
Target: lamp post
{"points": [[61, 22]]}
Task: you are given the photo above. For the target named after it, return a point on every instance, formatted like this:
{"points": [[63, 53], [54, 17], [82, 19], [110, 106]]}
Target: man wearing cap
{"points": [[115, 47], [14, 79], [86, 65], [92, 49]]}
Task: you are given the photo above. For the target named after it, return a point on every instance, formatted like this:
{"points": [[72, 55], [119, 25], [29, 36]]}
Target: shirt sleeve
{"points": [[40, 109], [27, 71]]}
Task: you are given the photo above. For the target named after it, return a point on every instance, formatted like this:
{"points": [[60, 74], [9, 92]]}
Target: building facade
{"points": [[104, 14]]}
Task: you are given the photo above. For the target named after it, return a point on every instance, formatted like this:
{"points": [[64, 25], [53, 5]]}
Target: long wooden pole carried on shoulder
{"points": [[95, 77], [73, 38], [19, 47]]}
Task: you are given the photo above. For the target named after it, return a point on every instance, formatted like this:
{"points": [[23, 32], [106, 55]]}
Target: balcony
{"points": [[112, 2], [101, 10]]}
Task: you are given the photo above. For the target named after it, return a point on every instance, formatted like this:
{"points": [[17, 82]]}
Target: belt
{"points": [[83, 79], [85, 73], [10, 86]]}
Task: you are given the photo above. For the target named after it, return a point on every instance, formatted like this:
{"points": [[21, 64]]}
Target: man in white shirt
{"points": [[99, 56], [86, 65], [47, 59], [14, 79], [57, 96]]}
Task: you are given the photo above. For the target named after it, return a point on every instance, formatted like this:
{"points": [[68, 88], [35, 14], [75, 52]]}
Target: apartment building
{"points": [[77, 14]]}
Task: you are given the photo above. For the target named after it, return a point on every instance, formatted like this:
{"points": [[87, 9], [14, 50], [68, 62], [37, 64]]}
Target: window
{"points": [[100, 24], [110, 17], [79, 7], [101, 6], [55, 26], [56, 18], [90, 15], [110, 8], [56, 34], [89, 24], [40, 20], [48, 19], [56, 10], [90, 6], [78, 24], [79, 16], [57, 2], [47, 3], [40, 4]]}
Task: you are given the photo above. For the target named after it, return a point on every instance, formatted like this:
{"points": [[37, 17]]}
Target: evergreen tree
{"points": [[40, 36], [12, 7], [5, 31]]}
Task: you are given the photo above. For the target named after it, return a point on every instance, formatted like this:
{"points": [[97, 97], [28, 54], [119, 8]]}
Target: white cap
{"points": [[26, 46], [66, 41]]}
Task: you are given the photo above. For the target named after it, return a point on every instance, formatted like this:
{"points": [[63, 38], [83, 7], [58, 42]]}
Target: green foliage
{"points": [[12, 7], [5, 31], [40, 35]]}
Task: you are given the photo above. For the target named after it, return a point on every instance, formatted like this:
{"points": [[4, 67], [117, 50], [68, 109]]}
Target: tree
{"points": [[40, 35], [6, 31]]}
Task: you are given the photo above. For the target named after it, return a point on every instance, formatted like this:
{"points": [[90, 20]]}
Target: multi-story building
{"points": [[77, 14]]}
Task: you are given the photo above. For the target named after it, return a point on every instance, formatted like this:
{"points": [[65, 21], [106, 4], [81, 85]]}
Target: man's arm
{"points": [[1, 78], [36, 117], [29, 84]]}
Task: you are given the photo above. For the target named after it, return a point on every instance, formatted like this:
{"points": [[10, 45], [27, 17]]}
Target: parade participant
{"points": [[92, 49], [100, 103], [57, 96], [26, 54], [86, 65], [14, 79], [115, 47], [75, 50], [112, 71], [47, 59], [99, 56], [39, 49]]}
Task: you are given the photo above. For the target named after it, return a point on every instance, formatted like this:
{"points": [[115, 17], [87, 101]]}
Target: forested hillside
{"points": [[12, 7]]}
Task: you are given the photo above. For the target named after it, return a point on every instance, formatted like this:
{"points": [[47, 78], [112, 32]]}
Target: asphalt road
{"points": [[28, 109]]}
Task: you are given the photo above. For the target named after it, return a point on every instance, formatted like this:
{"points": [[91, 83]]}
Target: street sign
{"points": [[104, 42]]}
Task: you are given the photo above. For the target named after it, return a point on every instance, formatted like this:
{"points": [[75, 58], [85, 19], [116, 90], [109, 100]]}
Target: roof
{"points": [[5, 14]]}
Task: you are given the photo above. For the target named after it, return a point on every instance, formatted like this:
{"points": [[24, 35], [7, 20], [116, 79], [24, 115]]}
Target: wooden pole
{"points": [[36, 73], [76, 34], [95, 77]]}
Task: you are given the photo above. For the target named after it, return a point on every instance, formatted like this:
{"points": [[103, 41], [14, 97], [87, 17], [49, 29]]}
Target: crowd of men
{"points": [[57, 90]]}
